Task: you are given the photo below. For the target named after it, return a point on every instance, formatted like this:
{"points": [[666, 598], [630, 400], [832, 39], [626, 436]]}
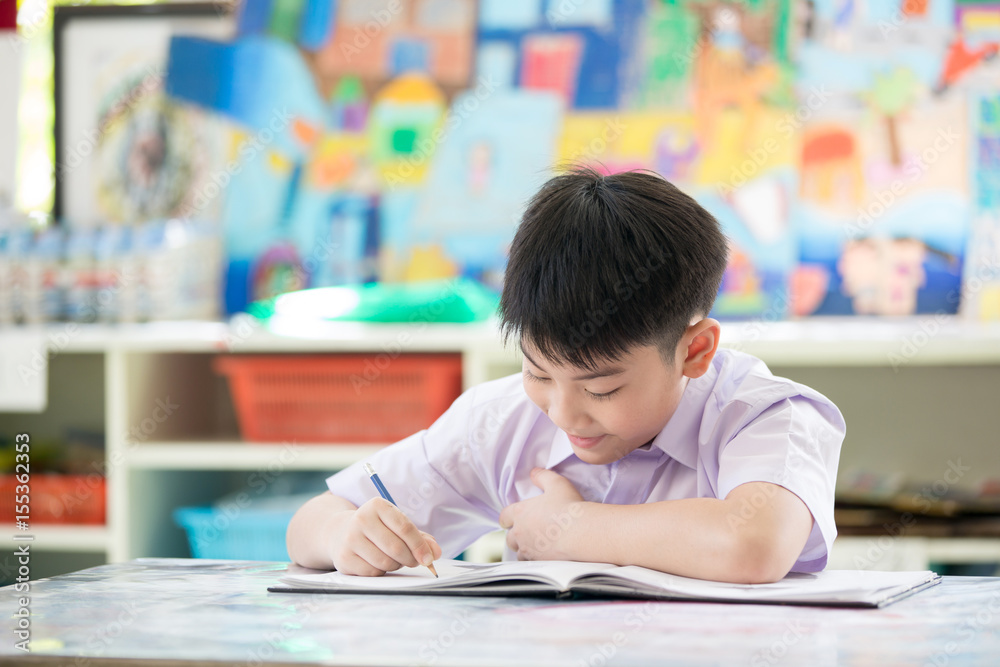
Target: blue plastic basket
{"points": [[246, 535]]}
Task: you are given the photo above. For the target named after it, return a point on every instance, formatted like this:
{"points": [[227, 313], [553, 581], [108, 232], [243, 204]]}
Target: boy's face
{"points": [[608, 414]]}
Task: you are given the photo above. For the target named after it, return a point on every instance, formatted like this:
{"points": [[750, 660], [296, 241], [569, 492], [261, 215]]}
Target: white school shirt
{"points": [[738, 423]]}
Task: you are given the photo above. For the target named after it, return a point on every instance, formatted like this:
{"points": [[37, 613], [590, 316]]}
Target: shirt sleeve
{"points": [[433, 478], [794, 443]]}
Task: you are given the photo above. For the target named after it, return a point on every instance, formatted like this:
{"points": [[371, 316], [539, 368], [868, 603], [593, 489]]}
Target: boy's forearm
{"points": [[310, 537], [705, 538], [680, 536]]}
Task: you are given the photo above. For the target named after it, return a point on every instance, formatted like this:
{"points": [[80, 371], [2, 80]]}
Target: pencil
{"points": [[384, 492]]}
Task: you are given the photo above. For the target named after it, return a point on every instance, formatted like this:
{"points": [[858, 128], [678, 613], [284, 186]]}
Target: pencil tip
{"points": [[433, 571]]}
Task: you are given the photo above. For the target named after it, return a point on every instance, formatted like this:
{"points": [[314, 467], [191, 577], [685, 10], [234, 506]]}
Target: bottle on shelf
{"points": [[40, 287], [114, 281], [79, 276]]}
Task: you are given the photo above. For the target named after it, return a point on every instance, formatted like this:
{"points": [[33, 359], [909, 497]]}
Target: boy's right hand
{"points": [[377, 538]]}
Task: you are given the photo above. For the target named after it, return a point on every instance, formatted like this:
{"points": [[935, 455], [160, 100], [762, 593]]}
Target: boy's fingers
{"points": [[358, 566], [549, 480], [511, 541], [377, 558], [397, 522], [507, 517], [432, 543], [392, 545]]}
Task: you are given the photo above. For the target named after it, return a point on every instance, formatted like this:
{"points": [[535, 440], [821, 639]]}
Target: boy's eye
{"points": [[605, 396], [600, 397], [534, 378]]}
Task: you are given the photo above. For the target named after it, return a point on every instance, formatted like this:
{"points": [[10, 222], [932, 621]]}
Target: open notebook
{"points": [[840, 588]]}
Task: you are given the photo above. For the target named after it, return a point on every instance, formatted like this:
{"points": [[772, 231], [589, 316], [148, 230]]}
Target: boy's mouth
{"points": [[585, 443]]}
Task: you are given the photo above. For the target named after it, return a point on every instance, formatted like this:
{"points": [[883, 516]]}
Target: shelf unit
{"points": [[199, 444], [236, 455], [53, 537], [917, 393], [912, 553]]}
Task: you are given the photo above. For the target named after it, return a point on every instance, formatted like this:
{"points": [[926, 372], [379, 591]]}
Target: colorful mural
{"points": [[848, 148]]}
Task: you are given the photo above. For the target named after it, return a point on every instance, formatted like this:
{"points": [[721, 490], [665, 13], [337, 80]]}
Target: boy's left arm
{"points": [[754, 535]]}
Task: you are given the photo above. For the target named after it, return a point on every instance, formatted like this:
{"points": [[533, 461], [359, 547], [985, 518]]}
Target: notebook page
{"points": [[453, 574], [561, 573], [450, 573], [828, 586]]}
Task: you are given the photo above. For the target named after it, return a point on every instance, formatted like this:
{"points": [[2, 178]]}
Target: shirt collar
{"points": [[679, 438], [561, 449]]}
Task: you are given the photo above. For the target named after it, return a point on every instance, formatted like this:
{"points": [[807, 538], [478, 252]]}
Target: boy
{"points": [[631, 437]]}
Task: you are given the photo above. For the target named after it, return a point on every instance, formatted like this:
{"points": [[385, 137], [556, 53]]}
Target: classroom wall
{"points": [[848, 148]]}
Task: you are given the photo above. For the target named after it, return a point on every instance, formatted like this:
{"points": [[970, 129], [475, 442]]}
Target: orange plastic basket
{"points": [[357, 398], [56, 498]]}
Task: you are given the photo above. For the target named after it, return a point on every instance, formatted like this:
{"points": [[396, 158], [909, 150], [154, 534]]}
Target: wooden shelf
{"points": [[244, 334], [53, 537], [830, 341], [967, 549], [211, 455], [911, 553], [919, 341]]}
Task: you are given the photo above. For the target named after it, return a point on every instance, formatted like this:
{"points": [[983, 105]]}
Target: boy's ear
{"points": [[699, 343]]}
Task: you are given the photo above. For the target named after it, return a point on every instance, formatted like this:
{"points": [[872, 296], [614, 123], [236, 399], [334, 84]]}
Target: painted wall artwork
{"points": [[848, 147], [125, 152]]}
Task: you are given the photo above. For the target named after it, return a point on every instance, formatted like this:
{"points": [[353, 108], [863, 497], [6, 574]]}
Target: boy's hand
{"points": [[539, 528], [377, 538]]}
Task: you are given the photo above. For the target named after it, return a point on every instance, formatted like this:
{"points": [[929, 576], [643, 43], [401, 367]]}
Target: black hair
{"points": [[600, 264]]}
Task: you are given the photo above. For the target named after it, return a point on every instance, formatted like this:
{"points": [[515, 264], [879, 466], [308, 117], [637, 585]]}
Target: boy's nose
{"points": [[568, 416]]}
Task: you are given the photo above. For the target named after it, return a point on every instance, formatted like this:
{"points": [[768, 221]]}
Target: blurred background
{"points": [[244, 244]]}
